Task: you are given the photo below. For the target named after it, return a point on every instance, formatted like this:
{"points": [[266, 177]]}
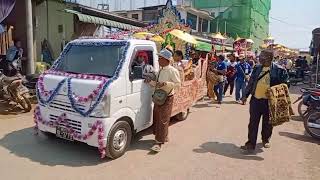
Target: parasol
{"points": [[218, 36], [150, 36], [270, 38], [250, 41], [183, 36], [264, 46]]}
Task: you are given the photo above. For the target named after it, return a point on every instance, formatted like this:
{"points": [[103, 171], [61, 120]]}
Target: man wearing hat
{"points": [[168, 80], [264, 76], [243, 70]]}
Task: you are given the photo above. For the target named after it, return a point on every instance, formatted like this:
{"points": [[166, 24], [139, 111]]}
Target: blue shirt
{"points": [[12, 53], [222, 66], [242, 69]]}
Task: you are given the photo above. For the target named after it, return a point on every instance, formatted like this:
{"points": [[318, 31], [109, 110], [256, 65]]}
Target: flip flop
{"points": [[156, 148]]}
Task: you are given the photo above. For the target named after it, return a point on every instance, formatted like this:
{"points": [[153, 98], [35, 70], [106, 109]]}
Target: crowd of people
{"points": [[230, 72], [247, 76]]}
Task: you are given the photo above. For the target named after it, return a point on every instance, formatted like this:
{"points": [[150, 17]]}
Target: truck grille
{"points": [[75, 125], [65, 106]]}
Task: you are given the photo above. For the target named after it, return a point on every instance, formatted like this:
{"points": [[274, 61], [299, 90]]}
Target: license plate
{"points": [[63, 133], [23, 89]]}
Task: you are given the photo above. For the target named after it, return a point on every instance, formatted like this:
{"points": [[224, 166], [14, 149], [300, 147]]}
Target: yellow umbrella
{"points": [[218, 36], [264, 46], [250, 41], [183, 36], [239, 39], [153, 37], [270, 38]]}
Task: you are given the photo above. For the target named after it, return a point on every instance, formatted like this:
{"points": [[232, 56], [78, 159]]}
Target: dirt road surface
{"points": [[205, 146]]}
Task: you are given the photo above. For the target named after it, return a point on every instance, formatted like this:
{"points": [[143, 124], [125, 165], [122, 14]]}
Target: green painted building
{"points": [[243, 18]]}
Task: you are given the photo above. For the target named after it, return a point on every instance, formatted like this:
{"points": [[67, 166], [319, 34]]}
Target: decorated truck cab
{"points": [[92, 94]]}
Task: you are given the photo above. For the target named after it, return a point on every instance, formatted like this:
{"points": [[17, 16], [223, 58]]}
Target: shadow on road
{"points": [[8, 109], [228, 150], [53, 151], [206, 105], [304, 138], [49, 151]]}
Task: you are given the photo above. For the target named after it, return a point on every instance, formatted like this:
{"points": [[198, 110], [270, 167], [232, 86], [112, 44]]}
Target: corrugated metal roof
{"points": [[101, 21]]}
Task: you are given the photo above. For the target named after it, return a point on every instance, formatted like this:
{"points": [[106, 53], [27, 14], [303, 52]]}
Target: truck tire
{"points": [[182, 115], [118, 139]]}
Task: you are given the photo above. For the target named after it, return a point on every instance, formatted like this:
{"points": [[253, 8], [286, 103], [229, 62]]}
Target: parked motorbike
{"points": [[308, 101], [30, 81], [12, 89], [295, 76], [312, 124]]}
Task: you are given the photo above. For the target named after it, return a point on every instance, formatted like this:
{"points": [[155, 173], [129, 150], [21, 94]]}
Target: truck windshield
{"points": [[97, 60]]}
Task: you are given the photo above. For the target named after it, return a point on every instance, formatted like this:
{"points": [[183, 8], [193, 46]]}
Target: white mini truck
{"points": [[94, 95]]}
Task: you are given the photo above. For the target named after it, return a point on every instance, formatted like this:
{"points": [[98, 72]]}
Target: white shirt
{"points": [[289, 64], [170, 76]]}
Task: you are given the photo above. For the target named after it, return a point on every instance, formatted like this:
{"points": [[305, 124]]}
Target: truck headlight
{"points": [[102, 109]]}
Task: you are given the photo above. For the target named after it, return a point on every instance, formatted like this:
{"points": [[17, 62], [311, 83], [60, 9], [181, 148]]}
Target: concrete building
{"points": [[245, 18], [119, 5], [199, 20]]}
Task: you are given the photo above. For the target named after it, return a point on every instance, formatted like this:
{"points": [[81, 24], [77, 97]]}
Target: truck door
{"points": [[139, 94]]}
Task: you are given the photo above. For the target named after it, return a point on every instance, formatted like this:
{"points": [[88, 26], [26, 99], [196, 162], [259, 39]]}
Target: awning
{"points": [[101, 21], [203, 46]]}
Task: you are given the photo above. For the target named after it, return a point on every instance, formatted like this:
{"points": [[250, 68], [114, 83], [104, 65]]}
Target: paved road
{"points": [[203, 147]]}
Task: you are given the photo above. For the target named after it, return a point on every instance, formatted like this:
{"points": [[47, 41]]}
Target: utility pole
{"points": [[29, 26]]}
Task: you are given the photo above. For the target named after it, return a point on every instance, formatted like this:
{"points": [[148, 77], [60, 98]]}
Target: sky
{"points": [[298, 19]]}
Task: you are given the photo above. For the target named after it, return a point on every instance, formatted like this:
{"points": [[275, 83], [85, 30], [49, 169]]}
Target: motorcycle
{"points": [[12, 89], [308, 100], [30, 81], [312, 124], [295, 76]]}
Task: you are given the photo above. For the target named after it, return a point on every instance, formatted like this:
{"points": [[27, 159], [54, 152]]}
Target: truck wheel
{"points": [[182, 115], [119, 139]]}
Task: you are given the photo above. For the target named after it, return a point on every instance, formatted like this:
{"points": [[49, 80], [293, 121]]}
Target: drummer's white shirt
{"points": [[170, 76]]}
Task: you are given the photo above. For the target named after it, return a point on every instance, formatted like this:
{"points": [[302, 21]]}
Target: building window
{"points": [[135, 16], [150, 16], [192, 20], [205, 25]]}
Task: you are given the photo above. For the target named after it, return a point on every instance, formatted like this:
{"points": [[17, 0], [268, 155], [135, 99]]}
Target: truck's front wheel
{"points": [[119, 139]]}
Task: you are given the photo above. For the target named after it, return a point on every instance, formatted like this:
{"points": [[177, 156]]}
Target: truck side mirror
{"points": [[136, 73], [131, 76]]}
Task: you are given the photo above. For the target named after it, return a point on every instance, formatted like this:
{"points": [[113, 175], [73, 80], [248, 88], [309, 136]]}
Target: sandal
{"points": [[156, 148]]}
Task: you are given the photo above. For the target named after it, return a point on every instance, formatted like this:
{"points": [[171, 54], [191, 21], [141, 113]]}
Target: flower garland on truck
{"points": [[97, 126], [47, 96]]}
